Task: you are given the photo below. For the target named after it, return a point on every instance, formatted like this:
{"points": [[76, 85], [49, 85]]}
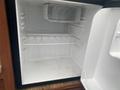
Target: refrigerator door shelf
{"points": [[115, 46]]}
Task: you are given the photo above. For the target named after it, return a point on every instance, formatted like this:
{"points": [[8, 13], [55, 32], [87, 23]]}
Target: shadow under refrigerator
{"points": [[60, 39]]}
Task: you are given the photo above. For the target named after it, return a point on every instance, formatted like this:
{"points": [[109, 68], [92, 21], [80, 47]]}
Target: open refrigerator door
{"points": [[101, 70]]}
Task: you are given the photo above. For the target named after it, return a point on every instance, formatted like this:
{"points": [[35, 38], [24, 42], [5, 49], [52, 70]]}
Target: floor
{"points": [[68, 85]]}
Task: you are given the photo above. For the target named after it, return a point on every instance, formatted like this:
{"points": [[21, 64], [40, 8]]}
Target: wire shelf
{"points": [[48, 39]]}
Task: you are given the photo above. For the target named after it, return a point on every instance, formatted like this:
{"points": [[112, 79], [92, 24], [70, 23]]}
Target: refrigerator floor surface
{"points": [[49, 70]]}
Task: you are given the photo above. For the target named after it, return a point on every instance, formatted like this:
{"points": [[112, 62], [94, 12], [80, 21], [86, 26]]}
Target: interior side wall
{"points": [[19, 10], [81, 32]]}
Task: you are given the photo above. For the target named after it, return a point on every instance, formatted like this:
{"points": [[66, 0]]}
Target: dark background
{"points": [[104, 3]]}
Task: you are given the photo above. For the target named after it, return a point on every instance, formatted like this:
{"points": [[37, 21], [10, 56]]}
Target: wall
{"points": [[36, 23], [81, 31]]}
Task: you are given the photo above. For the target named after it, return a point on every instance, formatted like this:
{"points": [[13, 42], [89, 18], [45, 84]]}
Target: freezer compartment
{"points": [[62, 13]]}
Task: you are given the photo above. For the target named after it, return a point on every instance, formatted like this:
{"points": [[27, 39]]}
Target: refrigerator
{"points": [[65, 39]]}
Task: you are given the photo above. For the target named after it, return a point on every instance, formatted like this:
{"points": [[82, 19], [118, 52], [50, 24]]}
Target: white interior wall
{"points": [[19, 21], [81, 31], [36, 23]]}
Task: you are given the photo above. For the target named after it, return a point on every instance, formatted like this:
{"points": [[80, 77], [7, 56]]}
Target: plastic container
{"points": [[62, 13]]}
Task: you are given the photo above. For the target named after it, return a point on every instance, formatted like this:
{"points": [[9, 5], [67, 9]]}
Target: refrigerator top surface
{"points": [[67, 2]]}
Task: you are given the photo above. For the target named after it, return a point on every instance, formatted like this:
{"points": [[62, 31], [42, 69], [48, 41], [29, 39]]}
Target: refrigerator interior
{"points": [[53, 36], [101, 68]]}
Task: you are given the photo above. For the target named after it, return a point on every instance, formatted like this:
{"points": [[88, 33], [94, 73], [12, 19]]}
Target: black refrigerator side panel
{"points": [[98, 2], [112, 3], [11, 16], [105, 3]]}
